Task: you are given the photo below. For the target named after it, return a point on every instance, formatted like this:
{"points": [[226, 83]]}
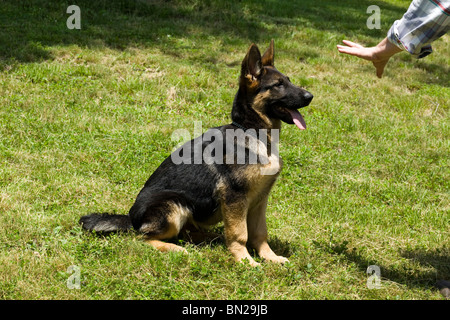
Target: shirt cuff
{"points": [[394, 38]]}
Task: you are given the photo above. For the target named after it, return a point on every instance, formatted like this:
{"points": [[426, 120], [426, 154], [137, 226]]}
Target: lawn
{"points": [[86, 116]]}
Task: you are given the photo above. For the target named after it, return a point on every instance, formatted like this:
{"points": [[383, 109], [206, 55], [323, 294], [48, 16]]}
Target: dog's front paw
{"points": [[250, 261], [277, 259]]}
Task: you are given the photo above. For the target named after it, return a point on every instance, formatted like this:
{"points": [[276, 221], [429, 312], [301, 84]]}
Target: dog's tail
{"points": [[106, 222]]}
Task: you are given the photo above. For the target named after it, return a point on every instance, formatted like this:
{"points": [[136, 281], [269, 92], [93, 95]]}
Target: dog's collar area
{"points": [[252, 133], [239, 126]]}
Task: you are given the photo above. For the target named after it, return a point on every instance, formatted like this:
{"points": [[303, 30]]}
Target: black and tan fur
{"points": [[201, 195]]}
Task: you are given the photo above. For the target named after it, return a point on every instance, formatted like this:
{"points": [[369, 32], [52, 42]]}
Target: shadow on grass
{"points": [[430, 266], [29, 26], [438, 260], [216, 237], [436, 74]]}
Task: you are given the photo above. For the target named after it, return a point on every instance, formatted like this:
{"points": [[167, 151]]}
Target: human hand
{"points": [[378, 55]]}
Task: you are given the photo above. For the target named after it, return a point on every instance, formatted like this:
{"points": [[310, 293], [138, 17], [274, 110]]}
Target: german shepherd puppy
{"points": [[202, 193]]}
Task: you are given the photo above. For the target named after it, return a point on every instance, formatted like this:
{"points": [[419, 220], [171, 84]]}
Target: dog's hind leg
{"points": [[169, 228], [165, 246], [163, 220]]}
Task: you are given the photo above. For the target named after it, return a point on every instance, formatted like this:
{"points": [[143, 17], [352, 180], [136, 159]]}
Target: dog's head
{"points": [[273, 94]]}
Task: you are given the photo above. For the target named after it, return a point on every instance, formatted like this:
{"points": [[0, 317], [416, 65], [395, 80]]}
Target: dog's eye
{"points": [[279, 83]]}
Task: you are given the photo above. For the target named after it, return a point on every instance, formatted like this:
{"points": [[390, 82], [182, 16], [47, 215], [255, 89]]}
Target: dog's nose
{"points": [[308, 97]]}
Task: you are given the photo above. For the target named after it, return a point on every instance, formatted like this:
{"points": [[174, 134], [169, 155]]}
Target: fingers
{"points": [[379, 66], [356, 50], [352, 44], [380, 71], [359, 51], [351, 48], [347, 50]]}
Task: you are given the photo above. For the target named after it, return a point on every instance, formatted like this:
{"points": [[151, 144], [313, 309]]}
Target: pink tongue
{"points": [[298, 119]]}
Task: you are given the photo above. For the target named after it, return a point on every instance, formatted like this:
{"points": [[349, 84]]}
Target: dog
{"points": [[198, 193]]}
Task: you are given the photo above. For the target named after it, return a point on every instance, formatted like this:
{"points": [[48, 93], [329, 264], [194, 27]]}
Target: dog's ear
{"points": [[268, 56], [251, 65]]}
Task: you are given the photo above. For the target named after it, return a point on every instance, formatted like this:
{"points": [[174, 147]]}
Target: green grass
{"points": [[86, 115]]}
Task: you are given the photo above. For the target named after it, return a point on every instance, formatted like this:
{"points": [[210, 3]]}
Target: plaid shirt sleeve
{"points": [[424, 22]]}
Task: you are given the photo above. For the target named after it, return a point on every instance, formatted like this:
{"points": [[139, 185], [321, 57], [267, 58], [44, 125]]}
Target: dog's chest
{"points": [[261, 178]]}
